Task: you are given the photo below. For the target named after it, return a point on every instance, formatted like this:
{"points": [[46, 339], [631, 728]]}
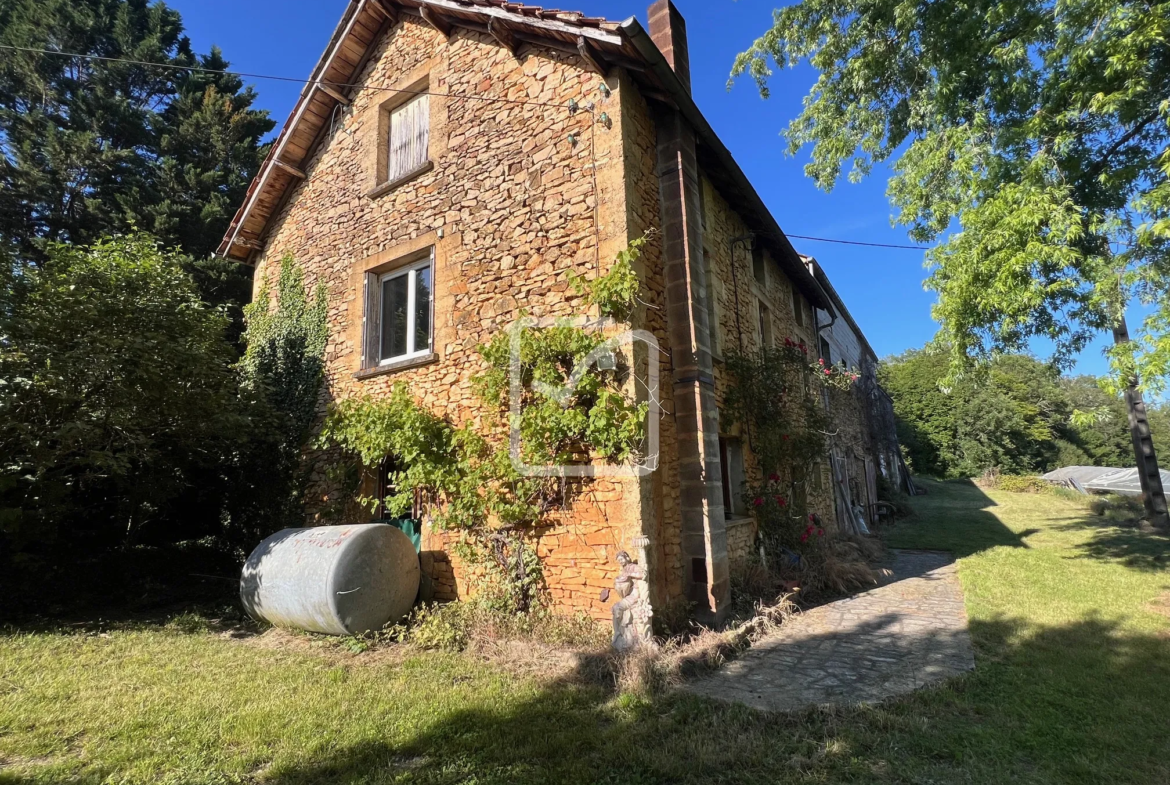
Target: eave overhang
{"points": [[601, 43]]}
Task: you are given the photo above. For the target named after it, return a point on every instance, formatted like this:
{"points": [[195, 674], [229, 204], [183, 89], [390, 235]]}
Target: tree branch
{"points": [[1098, 167]]}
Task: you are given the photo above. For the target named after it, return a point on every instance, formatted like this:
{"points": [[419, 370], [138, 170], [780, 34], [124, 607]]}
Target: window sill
{"points": [[386, 188], [397, 365]]}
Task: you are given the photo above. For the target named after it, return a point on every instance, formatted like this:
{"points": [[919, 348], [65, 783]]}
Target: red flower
{"points": [[828, 372], [758, 501], [804, 537], [781, 501], [811, 517], [774, 477], [784, 437]]}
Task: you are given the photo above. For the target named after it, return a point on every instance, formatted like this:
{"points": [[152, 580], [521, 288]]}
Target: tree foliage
{"points": [[118, 405], [1036, 128], [1016, 415], [90, 147]]}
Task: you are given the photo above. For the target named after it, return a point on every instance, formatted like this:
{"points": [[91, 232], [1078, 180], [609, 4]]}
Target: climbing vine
{"points": [[285, 355], [573, 409], [776, 396]]}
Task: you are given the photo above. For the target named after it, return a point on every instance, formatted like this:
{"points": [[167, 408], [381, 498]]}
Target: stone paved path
{"points": [[903, 635]]}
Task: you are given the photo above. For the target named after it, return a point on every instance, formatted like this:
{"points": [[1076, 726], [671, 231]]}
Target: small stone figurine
{"points": [[632, 613]]}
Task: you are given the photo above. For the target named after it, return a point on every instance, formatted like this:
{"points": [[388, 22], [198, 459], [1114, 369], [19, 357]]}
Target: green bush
{"points": [[118, 406], [1015, 483]]}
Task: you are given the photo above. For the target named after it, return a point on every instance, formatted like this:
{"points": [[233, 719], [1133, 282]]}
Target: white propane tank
{"points": [[340, 580]]}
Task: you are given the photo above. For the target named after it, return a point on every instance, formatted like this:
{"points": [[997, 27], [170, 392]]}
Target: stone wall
{"points": [[519, 196], [737, 291]]}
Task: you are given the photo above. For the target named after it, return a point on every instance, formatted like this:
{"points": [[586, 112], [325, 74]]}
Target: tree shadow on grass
{"points": [[953, 516], [1137, 549], [1080, 703]]}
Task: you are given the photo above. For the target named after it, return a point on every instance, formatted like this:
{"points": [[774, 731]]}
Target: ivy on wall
{"points": [[573, 410]]}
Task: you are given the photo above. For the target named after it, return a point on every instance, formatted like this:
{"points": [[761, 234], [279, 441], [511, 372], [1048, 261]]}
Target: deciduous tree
{"points": [[1035, 132]]}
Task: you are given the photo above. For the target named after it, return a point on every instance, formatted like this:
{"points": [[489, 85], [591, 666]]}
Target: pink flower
{"points": [[774, 477], [781, 501], [811, 517], [828, 372], [820, 532], [804, 537], [758, 501]]}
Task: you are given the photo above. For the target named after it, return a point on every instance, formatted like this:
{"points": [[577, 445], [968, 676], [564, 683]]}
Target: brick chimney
{"points": [[668, 30]]}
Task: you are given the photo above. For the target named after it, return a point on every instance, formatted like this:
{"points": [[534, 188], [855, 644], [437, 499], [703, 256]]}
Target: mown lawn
{"points": [[1072, 685]]}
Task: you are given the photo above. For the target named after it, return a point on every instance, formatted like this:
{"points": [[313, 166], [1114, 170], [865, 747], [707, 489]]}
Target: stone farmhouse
{"points": [[463, 158]]}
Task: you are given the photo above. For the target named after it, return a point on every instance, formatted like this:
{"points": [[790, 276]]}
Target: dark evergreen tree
{"points": [[93, 146]]}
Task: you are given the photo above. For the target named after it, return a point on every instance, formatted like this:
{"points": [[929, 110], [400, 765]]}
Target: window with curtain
{"points": [[410, 131]]}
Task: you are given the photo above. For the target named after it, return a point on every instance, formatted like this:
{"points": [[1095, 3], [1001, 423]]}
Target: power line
{"points": [[350, 86], [246, 75], [857, 242]]}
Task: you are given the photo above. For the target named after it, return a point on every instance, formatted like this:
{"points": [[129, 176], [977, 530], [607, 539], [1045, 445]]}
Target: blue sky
{"points": [[882, 287]]}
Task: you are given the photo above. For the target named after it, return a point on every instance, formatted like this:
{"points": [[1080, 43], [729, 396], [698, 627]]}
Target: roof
{"points": [[602, 43], [823, 280]]}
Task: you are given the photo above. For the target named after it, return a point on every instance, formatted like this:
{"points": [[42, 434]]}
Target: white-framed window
{"points": [[400, 312], [409, 138]]}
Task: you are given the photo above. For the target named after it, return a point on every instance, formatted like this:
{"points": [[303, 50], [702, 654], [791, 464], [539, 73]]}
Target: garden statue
{"points": [[632, 612]]}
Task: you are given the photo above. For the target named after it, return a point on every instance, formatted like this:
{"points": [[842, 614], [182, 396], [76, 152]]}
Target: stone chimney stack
{"points": [[668, 30]]}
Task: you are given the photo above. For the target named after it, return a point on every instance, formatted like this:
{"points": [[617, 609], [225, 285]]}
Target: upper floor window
{"points": [[797, 307], [759, 268], [409, 138], [399, 312], [712, 304], [765, 326]]}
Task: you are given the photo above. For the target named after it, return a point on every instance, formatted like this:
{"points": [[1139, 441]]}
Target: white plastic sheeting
{"points": [[1101, 479]]}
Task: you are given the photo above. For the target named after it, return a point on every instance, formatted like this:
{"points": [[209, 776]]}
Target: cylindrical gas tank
{"points": [[340, 580]]}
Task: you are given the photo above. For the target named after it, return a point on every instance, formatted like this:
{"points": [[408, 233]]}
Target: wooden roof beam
{"points": [[294, 171], [333, 93], [251, 245], [435, 20], [502, 33], [387, 11], [590, 56]]}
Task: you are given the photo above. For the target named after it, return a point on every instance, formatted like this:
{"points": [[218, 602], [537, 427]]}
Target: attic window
{"points": [[759, 269], [404, 138], [410, 132]]}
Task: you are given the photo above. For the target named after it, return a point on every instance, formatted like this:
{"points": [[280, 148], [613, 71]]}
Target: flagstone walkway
{"points": [[901, 636]]}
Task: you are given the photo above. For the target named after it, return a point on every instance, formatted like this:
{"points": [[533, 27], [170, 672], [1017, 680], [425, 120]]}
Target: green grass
{"points": [[1072, 685]]}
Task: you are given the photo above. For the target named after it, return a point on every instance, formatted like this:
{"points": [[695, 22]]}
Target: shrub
{"points": [[118, 405], [1014, 483]]}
